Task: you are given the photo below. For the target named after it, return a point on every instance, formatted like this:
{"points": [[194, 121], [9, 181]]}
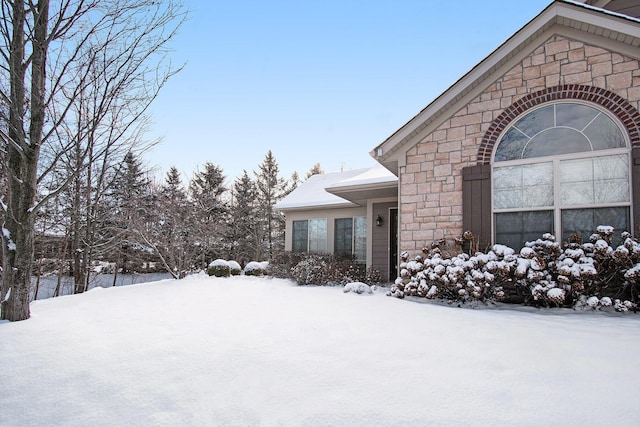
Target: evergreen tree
{"points": [[175, 233], [293, 182], [206, 190], [243, 236], [271, 188], [132, 209], [315, 170]]}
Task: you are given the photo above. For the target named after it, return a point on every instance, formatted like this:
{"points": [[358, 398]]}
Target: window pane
{"points": [[584, 222], [556, 141], [360, 238], [318, 235], [515, 228], [536, 121], [604, 134], [511, 146], [343, 236], [595, 180], [575, 116], [300, 233], [523, 186]]}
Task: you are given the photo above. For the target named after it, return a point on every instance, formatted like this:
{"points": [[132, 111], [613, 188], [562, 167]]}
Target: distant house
{"points": [[353, 213], [542, 136]]}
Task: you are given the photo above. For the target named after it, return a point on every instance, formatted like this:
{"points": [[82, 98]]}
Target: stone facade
{"points": [[431, 180]]}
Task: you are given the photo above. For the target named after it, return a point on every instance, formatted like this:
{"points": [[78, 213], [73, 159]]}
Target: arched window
{"points": [[561, 168]]}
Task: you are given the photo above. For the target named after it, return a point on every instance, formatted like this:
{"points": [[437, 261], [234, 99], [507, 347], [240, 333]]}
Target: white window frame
{"points": [[558, 206]]}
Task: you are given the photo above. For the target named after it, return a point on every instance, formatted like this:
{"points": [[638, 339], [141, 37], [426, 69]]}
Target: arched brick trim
{"points": [[627, 114]]}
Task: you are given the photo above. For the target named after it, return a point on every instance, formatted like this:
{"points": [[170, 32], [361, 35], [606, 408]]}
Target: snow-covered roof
{"points": [[378, 174], [311, 193], [328, 189]]}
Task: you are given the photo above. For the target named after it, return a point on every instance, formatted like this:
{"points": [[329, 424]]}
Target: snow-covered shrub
{"points": [[458, 278], [342, 269], [312, 270], [253, 268], [357, 288], [282, 263], [235, 268], [336, 269], [590, 275], [219, 268]]}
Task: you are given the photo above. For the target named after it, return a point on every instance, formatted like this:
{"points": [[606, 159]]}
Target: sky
{"points": [[314, 81]]}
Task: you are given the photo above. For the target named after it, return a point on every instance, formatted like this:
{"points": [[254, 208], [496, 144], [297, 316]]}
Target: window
{"points": [[309, 236], [350, 237], [563, 168]]}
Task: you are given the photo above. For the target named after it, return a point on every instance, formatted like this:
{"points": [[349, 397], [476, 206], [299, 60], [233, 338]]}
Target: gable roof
{"points": [[564, 17], [340, 189]]}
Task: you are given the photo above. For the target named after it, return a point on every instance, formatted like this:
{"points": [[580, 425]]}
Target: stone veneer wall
{"points": [[431, 181]]}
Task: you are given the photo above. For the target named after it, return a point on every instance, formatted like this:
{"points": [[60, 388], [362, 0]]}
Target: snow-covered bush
{"points": [[235, 268], [544, 272], [312, 270], [327, 269], [253, 268], [458, 278], [357, 288], [219, 268], [282, 263]]}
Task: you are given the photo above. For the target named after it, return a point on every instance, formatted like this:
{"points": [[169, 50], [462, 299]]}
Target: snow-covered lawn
{"points": [[248, 351]]}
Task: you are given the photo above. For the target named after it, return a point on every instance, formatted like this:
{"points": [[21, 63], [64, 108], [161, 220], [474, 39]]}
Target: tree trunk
{"points": [[22, 159]]}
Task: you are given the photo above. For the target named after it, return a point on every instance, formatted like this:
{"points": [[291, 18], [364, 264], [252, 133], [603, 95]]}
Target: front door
{"points": [[393, 244]]}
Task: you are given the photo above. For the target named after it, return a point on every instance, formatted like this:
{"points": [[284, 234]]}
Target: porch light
{"points": [[379, 220]]}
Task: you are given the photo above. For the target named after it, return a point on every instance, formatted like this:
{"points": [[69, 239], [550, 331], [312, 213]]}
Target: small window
{"points": [[300, 242], [350, 237], [309, 236]]}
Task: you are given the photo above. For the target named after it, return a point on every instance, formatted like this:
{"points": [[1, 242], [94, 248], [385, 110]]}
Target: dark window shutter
{"points": [[476, 203], [635, 189]]}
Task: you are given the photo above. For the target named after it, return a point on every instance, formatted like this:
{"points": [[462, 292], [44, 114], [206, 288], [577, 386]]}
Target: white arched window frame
{"points": [[562, 167]]}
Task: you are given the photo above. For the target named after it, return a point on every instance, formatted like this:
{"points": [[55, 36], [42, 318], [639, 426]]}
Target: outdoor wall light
{"points": [[379, 220]]}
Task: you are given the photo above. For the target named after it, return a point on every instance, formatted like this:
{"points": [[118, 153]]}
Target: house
{"points": [[351, 212], [542, 136]]}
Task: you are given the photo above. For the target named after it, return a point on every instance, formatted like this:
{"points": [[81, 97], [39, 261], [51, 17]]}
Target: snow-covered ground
{"points": [[47, 284], [248, 351]]}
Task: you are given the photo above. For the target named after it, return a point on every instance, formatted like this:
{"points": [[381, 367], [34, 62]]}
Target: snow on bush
{"points": [[310, 271], [219, 268], [590, 275], [253, 268], [234, 268], [357, 288]]}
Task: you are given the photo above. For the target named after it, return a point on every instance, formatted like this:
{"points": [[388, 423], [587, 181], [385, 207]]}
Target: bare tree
{"points": [[53, 55]]}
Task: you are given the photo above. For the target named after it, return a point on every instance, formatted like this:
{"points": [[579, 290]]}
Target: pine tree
{"points": [[271, 188], [206, 190], [294, 181], [315, 170], [132, 209], [243, 235], [175, 231]]}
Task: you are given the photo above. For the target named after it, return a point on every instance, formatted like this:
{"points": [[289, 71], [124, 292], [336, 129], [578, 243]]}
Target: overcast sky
{"points": [[315, 81]]}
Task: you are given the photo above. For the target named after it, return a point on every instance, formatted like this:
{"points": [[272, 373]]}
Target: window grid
{"points": [[559, 204]]}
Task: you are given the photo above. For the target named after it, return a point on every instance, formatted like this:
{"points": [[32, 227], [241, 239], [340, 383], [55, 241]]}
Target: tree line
{"points": [[177, 227]]}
